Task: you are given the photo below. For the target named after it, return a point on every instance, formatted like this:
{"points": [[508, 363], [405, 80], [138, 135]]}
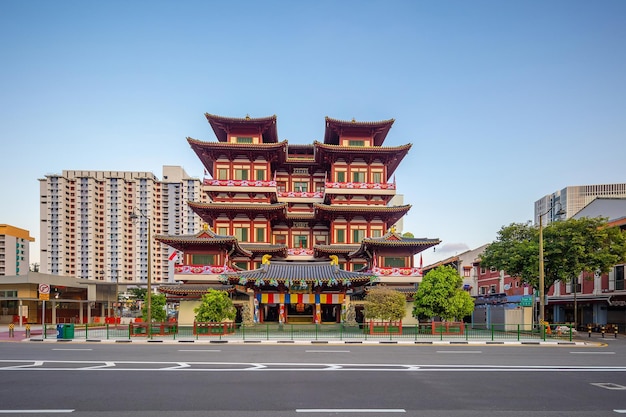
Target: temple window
{"points": [[341, 235], [202, 259], [377, 177], [341, 176], [241, 233], [244, 139], [394, 262], [260, 175], [241, 174], [222, 173], [222, 231], [301, 187], [242, 264], [300, 241], [356, 143], [357, 235], [358, 176], [280, 186], [280, 239], [260, 234], [377, 232]]}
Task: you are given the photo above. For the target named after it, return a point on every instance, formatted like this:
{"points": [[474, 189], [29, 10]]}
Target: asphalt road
{"points": [[95, 379]]}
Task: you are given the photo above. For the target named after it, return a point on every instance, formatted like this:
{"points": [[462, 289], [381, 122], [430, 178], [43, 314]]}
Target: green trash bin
{"points": [[68, 331]]}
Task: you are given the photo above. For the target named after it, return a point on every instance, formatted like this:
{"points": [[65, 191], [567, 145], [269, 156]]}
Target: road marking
{"points": [[350, 410], [459, 351], [72, 349], [620, 411], [609, 385], [199, 350], [35, 411], [327, 351], [593, 353]]}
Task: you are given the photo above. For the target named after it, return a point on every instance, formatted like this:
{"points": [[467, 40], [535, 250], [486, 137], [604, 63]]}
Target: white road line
{"points": [[350, 410], [36, 411], [593, 353], [72, 349], [620, 411], [327, 351], [459, 351], [199, 350]]}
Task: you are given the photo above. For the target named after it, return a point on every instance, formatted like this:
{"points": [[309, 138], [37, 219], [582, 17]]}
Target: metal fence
{"points": [[314, 332]]}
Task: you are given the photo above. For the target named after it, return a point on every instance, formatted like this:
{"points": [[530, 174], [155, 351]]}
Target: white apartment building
{"points": [[94, 224], [567, 202], [14, 250]]}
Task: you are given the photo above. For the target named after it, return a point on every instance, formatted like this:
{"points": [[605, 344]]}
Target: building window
{"points": [[377, 233], [260, 234], [492, 289], [341, 236], [301, 187], [377, 177], [202, 259], [241, 233], [222, 231], [244, 140], [357, 235], [300, 241], [619, 277], [393, 262], [241, 174], [341, 176], [222, 173], [358, 177], [260, 175], [242, 264], [280, 239], [356, 143]]}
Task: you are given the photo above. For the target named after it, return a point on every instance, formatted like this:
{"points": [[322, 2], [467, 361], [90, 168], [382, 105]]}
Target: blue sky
{"points": [[503, 101]]}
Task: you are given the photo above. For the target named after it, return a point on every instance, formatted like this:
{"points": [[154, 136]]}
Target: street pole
{"points": [[149, 281], [542, 300]]}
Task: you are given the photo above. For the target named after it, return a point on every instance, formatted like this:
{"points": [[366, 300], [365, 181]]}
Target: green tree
{"points": [[216, 306], [157, 308], [408, 235], [440, 294], [384, 304], [570, 247]]}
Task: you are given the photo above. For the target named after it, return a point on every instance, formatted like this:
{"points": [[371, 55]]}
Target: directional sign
{"points": [[44, 292]]}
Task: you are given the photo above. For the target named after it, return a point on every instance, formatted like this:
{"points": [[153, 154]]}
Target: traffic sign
{"points": [[44, 292]]}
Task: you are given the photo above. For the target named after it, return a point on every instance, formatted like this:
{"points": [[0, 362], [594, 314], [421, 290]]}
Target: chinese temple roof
{"points": [[298, 271], [193, 289], [209, 211], [264, 126], [202, 240], [209, 152], [335, 249], [390, 214], [393, 240], [262, 248], [392, 156], [336, 128]]}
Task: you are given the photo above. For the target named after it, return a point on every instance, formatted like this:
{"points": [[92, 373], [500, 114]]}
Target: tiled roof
{"points": [[393, 240], [236, 206], [221, 125], [205, 238], [345, 249], [364, 209], [262, 248], [193, 289], [298, 271], [378, 129]]}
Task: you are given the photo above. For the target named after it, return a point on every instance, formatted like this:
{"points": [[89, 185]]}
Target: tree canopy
{"points": [[570, 247], [216, 306], [157, 308], [440, 294], [385, 304]]}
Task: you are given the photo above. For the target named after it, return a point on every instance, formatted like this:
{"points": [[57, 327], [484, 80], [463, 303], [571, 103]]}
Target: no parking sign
{"points": [[44, 292]]}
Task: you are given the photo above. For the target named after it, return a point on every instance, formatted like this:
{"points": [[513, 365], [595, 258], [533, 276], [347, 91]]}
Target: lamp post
{"points": [[542, 298], [134, 216]]}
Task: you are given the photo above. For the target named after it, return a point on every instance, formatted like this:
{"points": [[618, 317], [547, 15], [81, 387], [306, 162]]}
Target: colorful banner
{"points": [[277, 298]]}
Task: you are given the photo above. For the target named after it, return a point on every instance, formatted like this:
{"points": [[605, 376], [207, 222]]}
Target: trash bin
{"points": [[60, 331], [68, 331]]}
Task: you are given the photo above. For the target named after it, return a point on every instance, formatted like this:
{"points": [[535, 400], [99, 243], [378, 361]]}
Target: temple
{"points": [[298, 233]]}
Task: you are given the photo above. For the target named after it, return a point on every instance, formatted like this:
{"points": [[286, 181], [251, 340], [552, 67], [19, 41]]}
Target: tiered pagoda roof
{"points": [[203, 239], [264, 126], [210, 211], [393, 240], [336, 128], [390, 214]]}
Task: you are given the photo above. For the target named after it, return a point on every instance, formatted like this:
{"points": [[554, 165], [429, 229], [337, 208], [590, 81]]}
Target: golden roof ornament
{"points": [[334, 260], [265, 260]]}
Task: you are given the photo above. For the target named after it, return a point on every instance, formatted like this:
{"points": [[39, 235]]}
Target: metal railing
{"points": [[314, 332]]}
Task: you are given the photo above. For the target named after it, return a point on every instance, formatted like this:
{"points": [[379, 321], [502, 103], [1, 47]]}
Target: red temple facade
{"points": [[296, 231]]}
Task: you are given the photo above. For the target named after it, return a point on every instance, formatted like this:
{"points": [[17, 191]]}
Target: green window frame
{"points": [[244, 139], [241, 233], [222, 173], [301, 187], [260, 175], [260, 234], [341, 176], [202, 259], [360, 143], [222, 231], [241, 174], [358, 177], [341, 235], [394, 262], [300, 241], [377, 177], [358, 235]]}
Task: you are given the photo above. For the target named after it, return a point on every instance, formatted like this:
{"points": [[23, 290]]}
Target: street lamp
{"points": [[542, 298], [135, 216]]}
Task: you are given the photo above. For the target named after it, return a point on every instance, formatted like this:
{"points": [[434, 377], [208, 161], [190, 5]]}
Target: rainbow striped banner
{"points": [[277, 298]]}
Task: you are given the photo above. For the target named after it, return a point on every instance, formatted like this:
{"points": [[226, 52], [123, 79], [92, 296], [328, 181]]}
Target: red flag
{"points": [[421, 261], [173, 256]]}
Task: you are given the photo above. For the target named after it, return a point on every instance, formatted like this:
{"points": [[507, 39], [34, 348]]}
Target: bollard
{"points": [[615, 328], [603, 331], [28, 331], [589, 329], [12, 330]]}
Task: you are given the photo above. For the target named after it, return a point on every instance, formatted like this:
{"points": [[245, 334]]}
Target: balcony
{"points": [[365, 188], [300, 196], [239, 186], [183, 272]]}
